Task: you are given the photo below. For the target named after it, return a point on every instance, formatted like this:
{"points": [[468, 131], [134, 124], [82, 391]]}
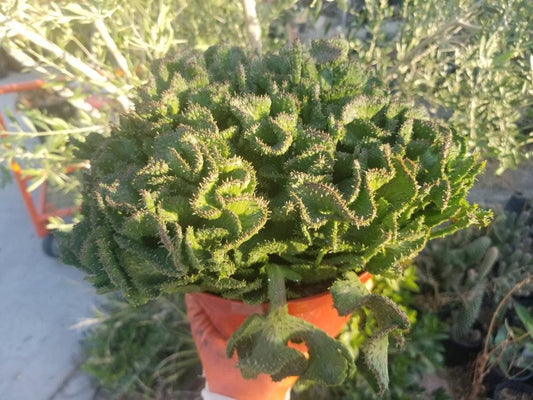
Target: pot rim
{"points": [[364, 277]]}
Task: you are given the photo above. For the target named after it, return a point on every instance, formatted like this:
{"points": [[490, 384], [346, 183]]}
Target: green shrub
{"points": [[467, 62]]}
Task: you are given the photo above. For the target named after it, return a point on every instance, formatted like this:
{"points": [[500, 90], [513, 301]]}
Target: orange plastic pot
{"points": [[213, 320]]}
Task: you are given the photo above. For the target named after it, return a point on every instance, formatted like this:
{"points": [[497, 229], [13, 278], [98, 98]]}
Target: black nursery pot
{"points": [[517, 203], [460, 352], [463, 350], [510, 389], [495, 381]]}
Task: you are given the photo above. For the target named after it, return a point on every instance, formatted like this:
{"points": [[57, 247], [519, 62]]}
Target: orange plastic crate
{"points": [[41, 210]]}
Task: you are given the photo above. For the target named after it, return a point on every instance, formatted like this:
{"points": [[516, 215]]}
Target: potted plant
{"points": [[265, 179]]}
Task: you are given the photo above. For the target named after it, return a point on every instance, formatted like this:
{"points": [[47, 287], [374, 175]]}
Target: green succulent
{"points": [[513, 234], [269, 178], [456, 274], [461, 271]]}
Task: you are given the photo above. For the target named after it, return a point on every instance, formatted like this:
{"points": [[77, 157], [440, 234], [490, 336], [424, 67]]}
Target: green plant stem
{"points": [[276, 287]]}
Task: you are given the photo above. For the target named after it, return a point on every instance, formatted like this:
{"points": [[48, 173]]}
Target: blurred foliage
{"points": [[457, 272], [96, 52], [512, 233], [39, 142], [468, 62], [143, 351], [455, 276]]}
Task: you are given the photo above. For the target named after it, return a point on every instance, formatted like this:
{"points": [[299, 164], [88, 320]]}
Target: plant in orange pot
{"points": [[252, 183]]}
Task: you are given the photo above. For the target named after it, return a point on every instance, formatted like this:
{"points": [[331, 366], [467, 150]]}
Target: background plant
{"points": [[512, 232], [467, 62], [143, 352], [476, 266], [456, 274], [100, 50]]}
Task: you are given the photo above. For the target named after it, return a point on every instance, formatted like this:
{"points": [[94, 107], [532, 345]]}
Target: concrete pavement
{"points": [[40, 300]]}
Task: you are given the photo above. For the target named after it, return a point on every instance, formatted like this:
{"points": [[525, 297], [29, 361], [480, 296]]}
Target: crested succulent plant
{"points": [[269, 178]]}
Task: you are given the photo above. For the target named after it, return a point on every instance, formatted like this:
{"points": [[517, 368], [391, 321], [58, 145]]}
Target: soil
{"points": [[7, 63], [48, 102], [510, 394], [459, 382]]}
